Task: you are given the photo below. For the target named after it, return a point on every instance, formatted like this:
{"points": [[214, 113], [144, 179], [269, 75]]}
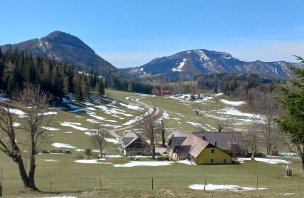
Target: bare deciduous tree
{"points": [[221, 125], [151, 129], [98, 140], [252, 140], [35, 117], [196, 107], [268, 108]]}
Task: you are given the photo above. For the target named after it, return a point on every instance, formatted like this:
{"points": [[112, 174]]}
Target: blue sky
{"points": [[133, 32]]}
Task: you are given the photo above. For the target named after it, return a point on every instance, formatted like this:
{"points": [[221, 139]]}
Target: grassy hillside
{"points": [[72, 122]]}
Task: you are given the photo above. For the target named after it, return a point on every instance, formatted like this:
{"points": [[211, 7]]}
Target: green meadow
{"points": [[58, 175]]}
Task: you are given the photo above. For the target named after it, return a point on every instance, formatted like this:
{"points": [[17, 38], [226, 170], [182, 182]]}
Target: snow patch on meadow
{"points": [[235, 112], [93, 121], [16, 124], [112, 140], [48, 113], [74, 125], [98, 117], [51, 160], [218, 94], [165, 115], [92, 161], [138, 118], [62, 197], [132, 107], [50, 128], [110, 126], [21, 114], [227, 187], [199, 125], [266, 160], [144, 163], [115, 111], [187, 162], [62, 145], [233, 103], [90, 108]]}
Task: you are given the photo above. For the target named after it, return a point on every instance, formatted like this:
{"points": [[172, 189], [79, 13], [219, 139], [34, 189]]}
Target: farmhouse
{"points": [[203, 152], [230, 142], [133, 144], [176, 151], [176, 138]]}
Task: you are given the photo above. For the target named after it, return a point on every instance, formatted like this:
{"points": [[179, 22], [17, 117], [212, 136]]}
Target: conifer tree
{"points": [[291, 99], [84, 86], [100, 88], [130, 87]]}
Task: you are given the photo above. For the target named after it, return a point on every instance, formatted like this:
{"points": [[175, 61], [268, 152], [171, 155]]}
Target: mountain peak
{"points": [[65, 47], [58, 32], [66, 39], [60, 35]]}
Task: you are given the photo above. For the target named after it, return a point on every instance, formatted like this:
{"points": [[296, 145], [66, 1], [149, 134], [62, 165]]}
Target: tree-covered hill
{"points": [[17, 69]]}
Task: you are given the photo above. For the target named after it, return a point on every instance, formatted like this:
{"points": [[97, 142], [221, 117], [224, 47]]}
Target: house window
{"points": [[211, 161], [225, 161], [212, 150]]}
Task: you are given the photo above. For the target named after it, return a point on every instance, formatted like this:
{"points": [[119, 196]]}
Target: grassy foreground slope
{"points": [[82, 180], [69, 178]]}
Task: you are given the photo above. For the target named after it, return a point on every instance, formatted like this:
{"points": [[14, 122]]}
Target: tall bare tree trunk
{"points": [[31, 182], [252, 156], [22, 172], [163, 131], [152, 143], [268, 137], [28, 181], [301, 153], [302, 165]]}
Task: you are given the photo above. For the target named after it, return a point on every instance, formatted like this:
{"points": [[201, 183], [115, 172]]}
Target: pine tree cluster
{"points": [[17, 69]]}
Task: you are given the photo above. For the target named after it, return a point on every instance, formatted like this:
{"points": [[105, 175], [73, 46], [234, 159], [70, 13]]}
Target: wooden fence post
{"points": [[51, 184], [205, 185], [100, 185], [257, 182], [1, 182], [152, 184]]}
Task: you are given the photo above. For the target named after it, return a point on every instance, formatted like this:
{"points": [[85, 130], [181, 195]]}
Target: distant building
{"points": [[133, 144], [166, 92]]}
